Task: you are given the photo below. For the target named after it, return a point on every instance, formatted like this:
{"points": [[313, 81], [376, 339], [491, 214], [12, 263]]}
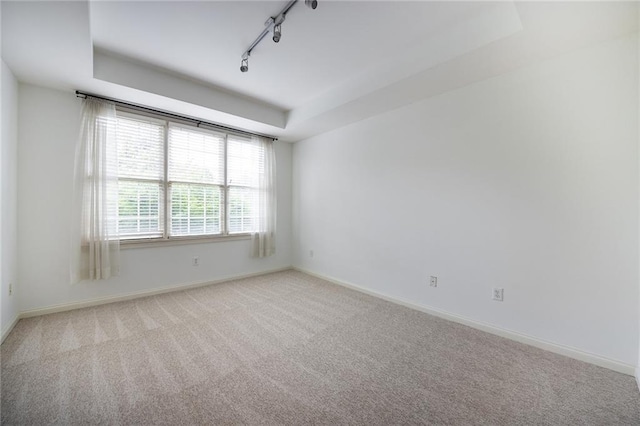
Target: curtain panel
{"points": [[95, 240], [264, 239]]}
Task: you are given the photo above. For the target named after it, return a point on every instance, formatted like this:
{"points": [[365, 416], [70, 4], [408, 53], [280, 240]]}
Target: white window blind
{"points": [[245, 162], [140, 178], [196, 181], [182, 181]]}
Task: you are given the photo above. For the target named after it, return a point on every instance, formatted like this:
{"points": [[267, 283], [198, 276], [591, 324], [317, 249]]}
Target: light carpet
{"points": [[287, 348]]}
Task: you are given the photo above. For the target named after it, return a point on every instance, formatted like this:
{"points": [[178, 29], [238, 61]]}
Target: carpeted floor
{"points": [[287, 348]]}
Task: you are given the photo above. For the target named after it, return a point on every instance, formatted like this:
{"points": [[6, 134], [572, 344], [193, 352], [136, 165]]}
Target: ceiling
{"points": [[341, 63]]}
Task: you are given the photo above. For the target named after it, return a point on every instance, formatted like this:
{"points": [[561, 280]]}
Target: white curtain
{"points": [[95, 242], [264, 239]]}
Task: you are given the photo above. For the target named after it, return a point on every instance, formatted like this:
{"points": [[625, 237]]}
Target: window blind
{"points": [[196, 180], [245, 163], [178, 180], [140, 178]]}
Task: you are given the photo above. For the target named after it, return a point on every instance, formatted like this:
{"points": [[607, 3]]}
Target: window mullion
{"points": [[225, 192], [165, 184]]}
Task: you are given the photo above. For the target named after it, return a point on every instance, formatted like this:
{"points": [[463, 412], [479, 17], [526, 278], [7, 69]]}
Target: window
{"points": [[180, 181]]}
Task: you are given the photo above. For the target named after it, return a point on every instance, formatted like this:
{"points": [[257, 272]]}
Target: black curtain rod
{"points": [[197, 121]]}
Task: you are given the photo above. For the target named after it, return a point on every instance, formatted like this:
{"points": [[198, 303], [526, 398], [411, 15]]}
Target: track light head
{"points": [[277, 32], [311, 3], [244, 65]]}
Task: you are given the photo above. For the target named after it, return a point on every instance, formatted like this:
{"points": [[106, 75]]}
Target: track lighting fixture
{"points": [[274, 25], [277, 32]]}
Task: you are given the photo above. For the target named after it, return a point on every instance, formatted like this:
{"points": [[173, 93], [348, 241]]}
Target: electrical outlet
{"points": [[433, 281], [310, 253], [10, 289], [498, 294], [195, 261]]}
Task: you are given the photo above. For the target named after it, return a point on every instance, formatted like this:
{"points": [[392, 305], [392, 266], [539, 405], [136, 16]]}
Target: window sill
{"points": [[177, 241]]}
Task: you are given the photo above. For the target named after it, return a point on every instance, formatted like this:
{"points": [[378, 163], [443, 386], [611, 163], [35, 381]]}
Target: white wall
{"points": [[527, 181], [638, 54], [8, 199], [49, 126]]}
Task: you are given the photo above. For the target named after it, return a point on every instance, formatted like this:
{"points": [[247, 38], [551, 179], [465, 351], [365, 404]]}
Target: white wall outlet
{"points": [[310, 253], [10, 289], [498, 294], [433, 281], [195, 261]]}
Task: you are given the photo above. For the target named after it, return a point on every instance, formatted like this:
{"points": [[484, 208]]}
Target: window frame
{"points": [[166, 239]]}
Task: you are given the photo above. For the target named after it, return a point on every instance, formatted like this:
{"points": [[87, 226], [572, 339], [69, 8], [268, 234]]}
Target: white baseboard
{"points": [[489, 328], [8, 329], [638, 377], [138, 294]]}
